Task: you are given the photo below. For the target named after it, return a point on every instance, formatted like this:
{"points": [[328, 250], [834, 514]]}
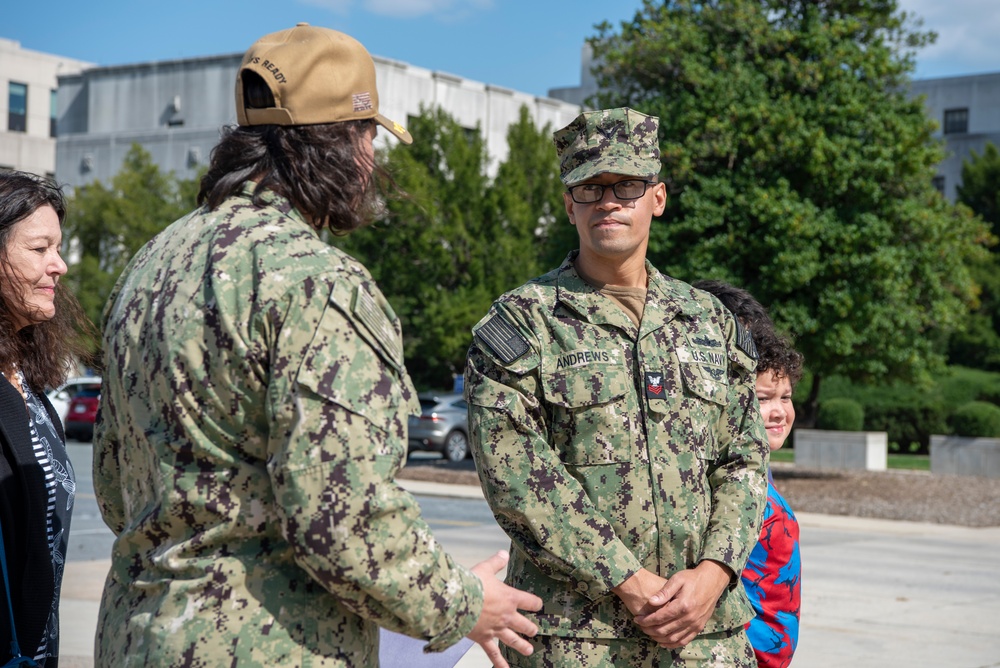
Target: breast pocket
{"points": [[705, 395], [588, 414]]}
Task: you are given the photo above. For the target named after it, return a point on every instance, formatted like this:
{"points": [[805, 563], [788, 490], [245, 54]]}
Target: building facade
{"points": [[588, 83], [28, 111], [967, 109], [175, 110]]}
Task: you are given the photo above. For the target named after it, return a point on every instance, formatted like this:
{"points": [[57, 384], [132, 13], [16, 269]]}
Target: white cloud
{"points": [[967, 36]]}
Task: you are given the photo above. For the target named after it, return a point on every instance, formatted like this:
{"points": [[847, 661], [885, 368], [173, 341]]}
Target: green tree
{"points": [[980, 187], [108, 224], [979, 345], [457, 239], [529, 198], [800, 169]]}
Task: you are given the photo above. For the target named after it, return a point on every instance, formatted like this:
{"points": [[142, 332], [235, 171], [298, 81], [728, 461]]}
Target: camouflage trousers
{"points": [[729, 649]]}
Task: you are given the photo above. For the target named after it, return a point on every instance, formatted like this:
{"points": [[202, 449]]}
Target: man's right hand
{"points": [[500, 619]]}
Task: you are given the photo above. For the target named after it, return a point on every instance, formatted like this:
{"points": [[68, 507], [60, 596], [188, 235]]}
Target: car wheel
{"points": [[456, 446]]}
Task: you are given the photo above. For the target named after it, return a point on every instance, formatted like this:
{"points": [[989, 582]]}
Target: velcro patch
{"points": [[502, 338], [367, 310], [745, 340], [654, 384]]}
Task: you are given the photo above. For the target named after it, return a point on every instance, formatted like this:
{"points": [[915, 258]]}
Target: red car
{"points": [[82, 412]]}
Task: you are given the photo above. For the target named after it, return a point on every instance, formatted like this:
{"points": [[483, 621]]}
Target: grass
{"points": [[785, 456], [909, 462], [906, 462]]}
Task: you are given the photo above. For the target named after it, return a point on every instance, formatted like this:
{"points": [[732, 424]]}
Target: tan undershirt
{"points": [[630, 300]]}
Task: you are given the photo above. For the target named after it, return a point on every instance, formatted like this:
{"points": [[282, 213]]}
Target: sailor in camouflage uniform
{"points": [[255, 406], [616, 432]]}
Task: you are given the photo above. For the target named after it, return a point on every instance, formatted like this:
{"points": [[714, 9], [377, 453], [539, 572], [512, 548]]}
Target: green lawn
{"points": [[909, 462]]}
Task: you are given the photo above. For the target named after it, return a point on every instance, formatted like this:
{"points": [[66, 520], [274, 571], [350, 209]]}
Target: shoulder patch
{"points": [[502, 338], [367, 310], [745, 340]]}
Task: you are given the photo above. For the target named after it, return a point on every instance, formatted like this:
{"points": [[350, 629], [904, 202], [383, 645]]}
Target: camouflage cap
{"points": [[616, 141]]}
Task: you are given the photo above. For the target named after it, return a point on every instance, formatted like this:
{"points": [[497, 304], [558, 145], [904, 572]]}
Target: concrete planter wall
{"points": [[962, 455], [821, 449]]}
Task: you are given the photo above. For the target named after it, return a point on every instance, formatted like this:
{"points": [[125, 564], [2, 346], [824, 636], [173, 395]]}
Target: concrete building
{"points": [[28, 124], [588, 84], [967, 109], [176, 108]]}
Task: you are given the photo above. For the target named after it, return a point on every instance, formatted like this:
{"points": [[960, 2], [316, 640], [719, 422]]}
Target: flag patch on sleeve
{"points": [[502, 338]]}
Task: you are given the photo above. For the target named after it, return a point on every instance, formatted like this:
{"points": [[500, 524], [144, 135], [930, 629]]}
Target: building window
{"points": [[938, 183], [956, 121], [53, 112], [17, 116]]}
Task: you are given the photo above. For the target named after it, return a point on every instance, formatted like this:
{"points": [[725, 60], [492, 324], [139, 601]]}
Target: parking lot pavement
{"points": [[875, 593]]}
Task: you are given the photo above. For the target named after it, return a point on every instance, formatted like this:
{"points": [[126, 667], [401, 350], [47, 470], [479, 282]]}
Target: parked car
{"points": [[443, 425], [82, 412], [62, 395]]}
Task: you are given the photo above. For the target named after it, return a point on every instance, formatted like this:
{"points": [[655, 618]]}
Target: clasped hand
{"points": [[672, 612]]}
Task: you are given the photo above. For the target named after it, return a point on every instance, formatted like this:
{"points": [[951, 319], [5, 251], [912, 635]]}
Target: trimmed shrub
{"points": [[909, 423], [977, 419], [990, 395], [911, 412], [840, 414]]}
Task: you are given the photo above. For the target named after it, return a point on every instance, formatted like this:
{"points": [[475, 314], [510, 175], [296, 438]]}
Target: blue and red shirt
{"points": [[772, 580]]}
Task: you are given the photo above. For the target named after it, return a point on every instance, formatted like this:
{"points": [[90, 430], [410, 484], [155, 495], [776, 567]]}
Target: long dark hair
{"points": [[318, 168], [45, 351]]}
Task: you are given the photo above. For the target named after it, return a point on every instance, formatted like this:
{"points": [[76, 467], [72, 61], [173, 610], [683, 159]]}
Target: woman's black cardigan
{"points": [[23, 502]]}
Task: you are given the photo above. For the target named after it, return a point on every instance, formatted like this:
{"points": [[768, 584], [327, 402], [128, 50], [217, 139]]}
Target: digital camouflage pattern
{"points": [[718, 650], [617, 141], [252, 419], [603, 447]]}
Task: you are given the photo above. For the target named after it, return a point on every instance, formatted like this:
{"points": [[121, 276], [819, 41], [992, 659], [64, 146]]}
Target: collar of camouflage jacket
{"points": [[666, 298]]}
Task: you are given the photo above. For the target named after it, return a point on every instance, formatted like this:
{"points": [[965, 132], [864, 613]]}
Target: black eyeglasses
{"points": [[588, 193]]}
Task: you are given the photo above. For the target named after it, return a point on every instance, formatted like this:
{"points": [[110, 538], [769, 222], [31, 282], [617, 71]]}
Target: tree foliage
{"points": [[980, 187], [107, 225], [800, 169], [979, 345], [457, 239]]}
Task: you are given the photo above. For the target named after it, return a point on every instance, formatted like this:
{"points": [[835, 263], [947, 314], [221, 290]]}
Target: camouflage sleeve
{"points": [[544, 509], [105, 463], [339, 412], [106, 470], [739, 479]]}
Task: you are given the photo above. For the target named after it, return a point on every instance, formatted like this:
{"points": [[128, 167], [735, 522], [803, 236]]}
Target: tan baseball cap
{"points": [[316, 75]]}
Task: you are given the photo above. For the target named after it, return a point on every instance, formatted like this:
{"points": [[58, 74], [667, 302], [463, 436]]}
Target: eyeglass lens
{"points": [[594, 192]]}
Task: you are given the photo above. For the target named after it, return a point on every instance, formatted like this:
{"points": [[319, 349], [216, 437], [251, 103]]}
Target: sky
{"points": [[525, 46]]}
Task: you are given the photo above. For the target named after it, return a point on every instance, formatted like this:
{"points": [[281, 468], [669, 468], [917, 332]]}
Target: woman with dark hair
{"points": [[38, 343]]}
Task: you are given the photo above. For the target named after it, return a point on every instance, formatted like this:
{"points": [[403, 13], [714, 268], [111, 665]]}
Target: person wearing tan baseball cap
{"points": [[254, 417], [316, 75]]}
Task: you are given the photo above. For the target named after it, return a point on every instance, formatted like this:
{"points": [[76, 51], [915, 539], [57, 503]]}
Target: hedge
{"points": [[840, 414], [976, 418]]}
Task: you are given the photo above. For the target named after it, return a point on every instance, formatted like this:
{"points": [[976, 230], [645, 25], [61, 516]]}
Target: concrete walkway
{"points": [[876, 593]]}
